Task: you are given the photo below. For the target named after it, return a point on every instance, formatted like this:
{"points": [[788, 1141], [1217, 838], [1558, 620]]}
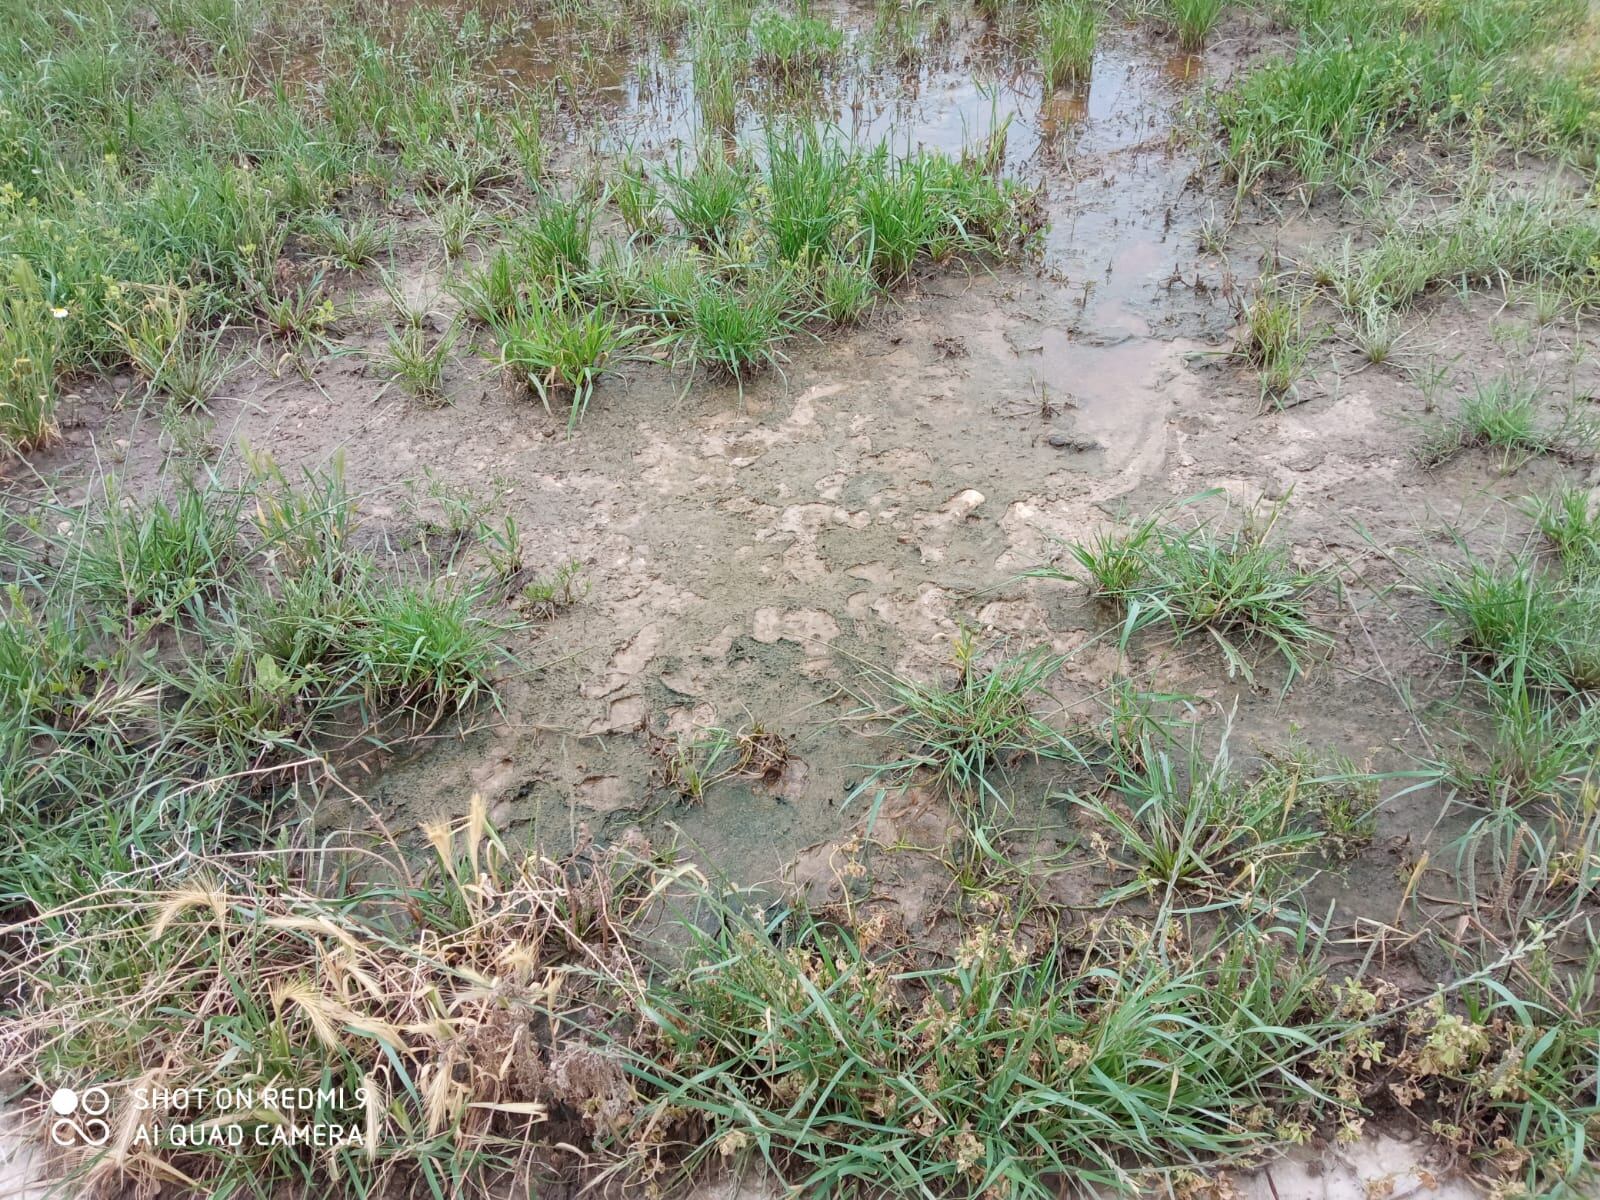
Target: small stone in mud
{"points": [[1062, 441]]}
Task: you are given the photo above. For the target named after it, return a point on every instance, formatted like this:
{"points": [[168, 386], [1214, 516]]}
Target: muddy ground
{"points": [[751, 554]]}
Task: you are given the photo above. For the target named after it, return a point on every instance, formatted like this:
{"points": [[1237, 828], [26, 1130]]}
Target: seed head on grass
{"points": [[30, 338]]}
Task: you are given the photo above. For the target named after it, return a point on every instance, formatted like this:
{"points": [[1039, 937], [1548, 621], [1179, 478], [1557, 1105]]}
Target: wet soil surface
{"points": [[751, 554]]}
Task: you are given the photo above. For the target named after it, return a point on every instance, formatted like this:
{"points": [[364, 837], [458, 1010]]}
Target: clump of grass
{"points": [[421, 648], [457, 222], [845, 291], [492, 292], [1193, 21], [416, 361], [351, 243], [1364, 73], [1375, 330], [562, 349], [636, 196], [1504, 415], [1524, 623], [1233, 586], [1491, 236], [900, 218], [1569, 520], [149, 560], [1066, 41], [231, 635], [792, 46], [30, 336], [1340, 800], [1202, 828], [965, 732], [299, 313], [196, 370], [1274, 339], [708, 200], [730, 330], [554, 247], [717, 70], [810, 179]]}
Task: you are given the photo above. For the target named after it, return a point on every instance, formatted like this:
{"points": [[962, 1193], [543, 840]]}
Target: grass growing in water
{"points": [[1066, 41], [1193, 21]]}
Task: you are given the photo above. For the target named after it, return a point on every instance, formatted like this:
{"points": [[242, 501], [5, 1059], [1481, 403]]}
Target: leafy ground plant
{"points": [[1236, 587]]}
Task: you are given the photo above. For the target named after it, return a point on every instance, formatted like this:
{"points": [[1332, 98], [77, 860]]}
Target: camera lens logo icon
{"points": [[78, 1117]]}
